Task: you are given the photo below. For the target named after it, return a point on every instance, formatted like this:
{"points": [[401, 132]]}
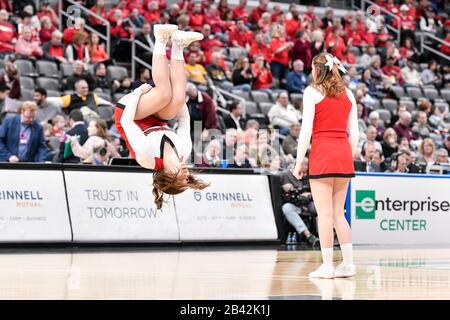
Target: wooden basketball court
{"points": [[220, 273]]}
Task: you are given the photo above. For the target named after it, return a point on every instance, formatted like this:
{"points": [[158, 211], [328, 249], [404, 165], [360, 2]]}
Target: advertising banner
{"points": [[400, 209], [118, 206], [233, 207], [33, 206]]}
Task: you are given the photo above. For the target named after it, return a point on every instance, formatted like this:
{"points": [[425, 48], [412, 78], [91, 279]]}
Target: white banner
{"points": [[234, 207], [400, 209], [33, 206], [118, 206]]}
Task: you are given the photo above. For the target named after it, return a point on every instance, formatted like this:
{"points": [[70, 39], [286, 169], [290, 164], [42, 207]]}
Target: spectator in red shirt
{"points": [[277, 13], [392, 7], [445, 48], [47, 10], [334, 43], [265, 23], [353, 36], [100, 10], [209, 41], [393, 72], [77, 50], [54, 50], [263, 76], [194, 47], [406, 21], [259, 47], [152, 12], [7, 33], [126, 9], [196, 17], [257, 13], [349, 57], [409, 50], [213, 19], [309, 15], [47, 29], [240, 36], [293, 24], [302, 49], [122, 33], [280, 52], [70, 32], [162, 5], [96, 50], [240, 11]]}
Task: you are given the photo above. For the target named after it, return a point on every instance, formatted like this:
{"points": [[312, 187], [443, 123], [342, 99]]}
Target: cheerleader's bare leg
{"points": [[322, 192], [344, 233], [180, 40]]}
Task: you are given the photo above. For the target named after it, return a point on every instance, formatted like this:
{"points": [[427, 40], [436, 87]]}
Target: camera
{"points": [[297, 197]]}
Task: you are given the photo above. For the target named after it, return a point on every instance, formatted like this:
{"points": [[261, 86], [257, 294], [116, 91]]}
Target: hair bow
{"points": [[331, 60]]}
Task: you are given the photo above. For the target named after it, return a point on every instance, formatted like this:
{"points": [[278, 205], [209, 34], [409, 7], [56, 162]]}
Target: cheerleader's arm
{"points": [[309, 108], [352, 124], [184, 131]]}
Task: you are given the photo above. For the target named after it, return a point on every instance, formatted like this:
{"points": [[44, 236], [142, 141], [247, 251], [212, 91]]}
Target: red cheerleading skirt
{"points": [[330, 157], [144, 124]]}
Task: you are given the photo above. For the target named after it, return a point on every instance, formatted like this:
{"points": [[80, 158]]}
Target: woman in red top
{"points": [[152, 12], [330, 117], [196, 17], [280, 51], [47, 29], [259, 47], [263, 76], [96, 50], [334, 42]]}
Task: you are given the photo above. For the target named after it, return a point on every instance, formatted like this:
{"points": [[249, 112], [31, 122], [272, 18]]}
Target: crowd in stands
{"points": [[58, 88]]}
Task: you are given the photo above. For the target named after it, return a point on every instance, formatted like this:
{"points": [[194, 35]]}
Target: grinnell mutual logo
{"points": [[223, 196], [365, 204]]}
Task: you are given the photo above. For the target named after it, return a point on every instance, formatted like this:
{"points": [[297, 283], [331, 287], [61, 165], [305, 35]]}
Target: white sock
{"points": [[347, 254], [160, 47], [327, 256], [177, 52]]}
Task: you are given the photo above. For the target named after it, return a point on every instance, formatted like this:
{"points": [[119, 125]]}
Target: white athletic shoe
{"points": [[185, 38], [344, 271], [164, 31], [324, 271]]}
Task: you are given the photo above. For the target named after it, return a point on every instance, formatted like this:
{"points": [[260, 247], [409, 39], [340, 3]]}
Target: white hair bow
{"points": [[331, 60]]}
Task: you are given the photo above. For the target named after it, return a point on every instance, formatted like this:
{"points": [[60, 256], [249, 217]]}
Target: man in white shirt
{"points": [[283, 114], [410, 74], [371, 135]]}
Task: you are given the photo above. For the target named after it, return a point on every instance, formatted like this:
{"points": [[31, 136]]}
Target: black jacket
{"points": [[230, 124]]}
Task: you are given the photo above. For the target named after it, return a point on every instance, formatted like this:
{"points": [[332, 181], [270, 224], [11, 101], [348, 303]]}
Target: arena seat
{"points": [[265, 107], [66, 69], [26, 68], [27, 83], [414, 92], [260, 96], [47, 69], [431, 93], [117, 72], [389, 104], [48, 83]]}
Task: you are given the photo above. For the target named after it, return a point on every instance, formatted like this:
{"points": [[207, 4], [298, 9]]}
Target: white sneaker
{"points": [[185, 38], [324, 271], [164, 31], [344, 271]]}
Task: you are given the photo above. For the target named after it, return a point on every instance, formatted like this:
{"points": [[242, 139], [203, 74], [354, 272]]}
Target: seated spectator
{"points": [[212, 155], [26, 47], [77, 129], [22, 137], [421, 128], [409, 51], [194, 47], [401, 162], [28, 19], [410, 74], [152, 12], [196, 17], [294, 23], [279, 66], [369, 56], [240, 11], [445, 47], [54, 50], [374, 120], [100, 10], [77, 50], [209, 41], [427, 152], [396, 114], [195, 72], [97, 52], [390, 143], [144, 77], [58, 124], [371, 134], [11, 80], [393, 72], [218, 27], [302, 49], [334, 43], [98, 137], [265, 23], [136, 18], [174, 13], [257, 12], [283, 114], [79, 73], [125, 86], [46, 111], [81, 98], [242, 75], [367, 156], [102, 80], [183, 22], [7, 33], [296, 80], [371, 84], [70, 32], [262, 76], [402, 128], [201, 108], [241, 158], [259, 47], [428, 22], [379, 162], [348, 58], [235, 120], [442, 156], [430, 76], [290, 143], [47, 29], [145, 36], [217, 73], [240, 36], [46, 10], [126, 7], [121, 32]]}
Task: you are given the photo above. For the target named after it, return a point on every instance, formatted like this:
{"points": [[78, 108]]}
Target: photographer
{"points": [[297, 198]]}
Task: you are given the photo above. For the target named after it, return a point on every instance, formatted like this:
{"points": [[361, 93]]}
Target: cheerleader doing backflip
{"points": [[330, 116], [141, 117]]}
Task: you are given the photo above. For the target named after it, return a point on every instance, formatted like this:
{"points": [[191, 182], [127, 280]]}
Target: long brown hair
{"points": [[102, 129], [171, 183], [329, 82]]}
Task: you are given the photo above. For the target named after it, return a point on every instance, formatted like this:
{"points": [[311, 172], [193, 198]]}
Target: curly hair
{"points": [[329, 81], [171, 183]]}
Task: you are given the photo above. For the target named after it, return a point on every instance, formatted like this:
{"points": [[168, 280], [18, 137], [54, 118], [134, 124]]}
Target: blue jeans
{"points": [[244, 87], [292, 215]]}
